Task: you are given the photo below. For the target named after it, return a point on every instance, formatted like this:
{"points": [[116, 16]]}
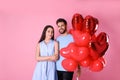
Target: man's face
{"points": [[62, 27]]}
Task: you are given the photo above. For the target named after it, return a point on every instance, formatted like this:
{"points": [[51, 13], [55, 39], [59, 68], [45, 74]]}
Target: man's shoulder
{"points": [[70, 35], [67, 38], [58, 37]]}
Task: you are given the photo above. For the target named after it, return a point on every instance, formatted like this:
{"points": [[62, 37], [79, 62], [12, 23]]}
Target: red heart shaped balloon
{"points": [[90, 24], [69, 64], [100, 44], [96, 66], [85, 62], [65, 52], [77, 22], [81, 39], [80, 54]]}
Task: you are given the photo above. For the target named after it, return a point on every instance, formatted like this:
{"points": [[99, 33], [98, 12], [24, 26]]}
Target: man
{"points": [[64, 39]]}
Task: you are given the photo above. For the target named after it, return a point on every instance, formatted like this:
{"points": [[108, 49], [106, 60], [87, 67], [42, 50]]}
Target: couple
{"points": [[49, 65]]}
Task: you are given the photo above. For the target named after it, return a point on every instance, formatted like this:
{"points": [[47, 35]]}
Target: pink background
{"points": [[21, 24]]}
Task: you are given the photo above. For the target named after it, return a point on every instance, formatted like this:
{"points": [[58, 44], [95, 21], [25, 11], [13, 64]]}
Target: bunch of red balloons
{"points": [[88, 49]]}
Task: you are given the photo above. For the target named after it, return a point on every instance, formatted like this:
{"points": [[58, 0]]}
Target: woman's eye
{"points": [[48, 31]]}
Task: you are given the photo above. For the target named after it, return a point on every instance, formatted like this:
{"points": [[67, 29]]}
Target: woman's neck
{"points": [[47, 40]]}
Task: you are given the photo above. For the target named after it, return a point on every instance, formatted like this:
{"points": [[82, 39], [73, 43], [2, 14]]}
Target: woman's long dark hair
{"points": [[44, 33]]}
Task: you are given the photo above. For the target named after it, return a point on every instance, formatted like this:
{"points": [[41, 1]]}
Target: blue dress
{"points": [[45, 70]]}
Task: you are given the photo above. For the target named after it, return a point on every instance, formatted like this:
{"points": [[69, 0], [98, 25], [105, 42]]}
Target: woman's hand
{"points": [[78, 71], [54, 57]]}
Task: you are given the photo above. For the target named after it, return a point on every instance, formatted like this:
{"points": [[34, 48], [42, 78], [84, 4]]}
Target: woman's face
{"points": [[49, 33]]}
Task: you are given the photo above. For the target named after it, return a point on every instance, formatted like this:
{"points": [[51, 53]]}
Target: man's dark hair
{"points": [[61, 20]]}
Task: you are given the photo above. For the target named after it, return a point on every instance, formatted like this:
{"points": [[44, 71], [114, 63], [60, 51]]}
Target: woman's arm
{"points": [[46, 58], [38, 57], [56, 51]]}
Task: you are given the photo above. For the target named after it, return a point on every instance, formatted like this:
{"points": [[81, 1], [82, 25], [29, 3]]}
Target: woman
{"points": [[46, 55]]}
